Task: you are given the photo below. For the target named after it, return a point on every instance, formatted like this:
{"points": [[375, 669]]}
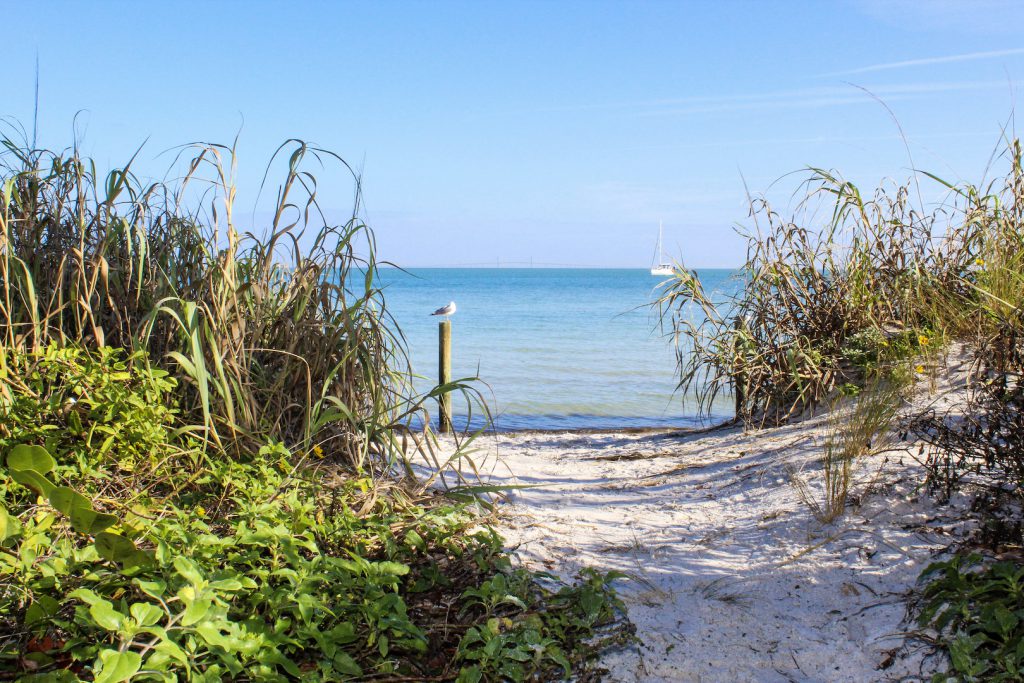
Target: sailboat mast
{"points": [[661, 265], [657, 249]]}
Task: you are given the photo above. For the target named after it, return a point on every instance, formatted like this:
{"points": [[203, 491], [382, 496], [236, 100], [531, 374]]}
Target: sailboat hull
{"points": [[662, 270]]}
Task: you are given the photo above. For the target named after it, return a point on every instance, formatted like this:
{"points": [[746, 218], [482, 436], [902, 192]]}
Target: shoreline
{"points": [[680, 431], [651, 429]]}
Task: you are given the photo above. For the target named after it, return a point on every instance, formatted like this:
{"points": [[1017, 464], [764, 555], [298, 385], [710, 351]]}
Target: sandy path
{"points": [[733, 579]]}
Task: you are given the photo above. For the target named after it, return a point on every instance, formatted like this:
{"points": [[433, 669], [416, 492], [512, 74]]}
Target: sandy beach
{"points": [[731, 576], [512, 342]]}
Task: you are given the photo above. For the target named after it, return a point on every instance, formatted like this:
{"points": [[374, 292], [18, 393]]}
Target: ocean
{"points": [[554, 348]]}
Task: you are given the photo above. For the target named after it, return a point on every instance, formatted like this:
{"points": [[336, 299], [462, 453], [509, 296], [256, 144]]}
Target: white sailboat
{"points": [[661, 264]]}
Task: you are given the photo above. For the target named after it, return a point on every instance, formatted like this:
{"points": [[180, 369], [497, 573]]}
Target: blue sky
{"points": [[557, 131]]}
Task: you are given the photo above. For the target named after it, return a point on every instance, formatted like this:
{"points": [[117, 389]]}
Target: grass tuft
{"points": [[858, 426]]}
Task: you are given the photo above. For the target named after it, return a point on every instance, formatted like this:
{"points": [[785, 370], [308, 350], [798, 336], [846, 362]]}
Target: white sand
{"points": [[732, 576]]}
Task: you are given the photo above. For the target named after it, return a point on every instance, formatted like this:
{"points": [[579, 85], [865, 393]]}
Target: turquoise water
{"points": [[557, 348]]}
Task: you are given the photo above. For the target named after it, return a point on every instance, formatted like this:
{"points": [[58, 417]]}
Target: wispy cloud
{"points": [[792, 98], [805, 98], [928, 61], [812, 140]]}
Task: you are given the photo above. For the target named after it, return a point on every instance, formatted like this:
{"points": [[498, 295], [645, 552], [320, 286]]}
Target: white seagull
{"points": [[446, 310]]}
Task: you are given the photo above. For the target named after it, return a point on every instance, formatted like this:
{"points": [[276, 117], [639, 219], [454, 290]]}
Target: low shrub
{"points": [[106, 417], [976, 612], [247, 568]]}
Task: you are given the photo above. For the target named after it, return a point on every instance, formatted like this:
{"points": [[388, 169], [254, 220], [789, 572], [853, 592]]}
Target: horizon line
{"points": [[525, 265]]}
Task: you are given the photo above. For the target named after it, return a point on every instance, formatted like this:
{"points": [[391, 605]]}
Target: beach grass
{"points": [[277, 334], [857, 427], [847, 286]]}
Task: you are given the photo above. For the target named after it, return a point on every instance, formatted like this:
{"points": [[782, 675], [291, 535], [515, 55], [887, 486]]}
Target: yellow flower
{"points": [[923, 340], [317, 451], [979, 261], [919, 369], [200, 511]]}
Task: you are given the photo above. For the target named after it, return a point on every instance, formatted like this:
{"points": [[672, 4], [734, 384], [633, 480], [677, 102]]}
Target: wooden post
{"points": [[444, 371]]}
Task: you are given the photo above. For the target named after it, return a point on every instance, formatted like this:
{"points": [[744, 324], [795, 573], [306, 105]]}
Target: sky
{"points": [[515, 132]]}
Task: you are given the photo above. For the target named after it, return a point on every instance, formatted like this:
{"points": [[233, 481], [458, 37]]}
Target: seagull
{"points": [[446, 310]]}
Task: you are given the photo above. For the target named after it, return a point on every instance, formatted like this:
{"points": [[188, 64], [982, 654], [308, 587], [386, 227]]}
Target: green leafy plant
{"points": [[976, 611], [276, 588], [103, 415], [252, 568], [532, 632]]}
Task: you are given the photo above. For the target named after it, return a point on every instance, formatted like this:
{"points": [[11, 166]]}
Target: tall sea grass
{"points": [[279, 333], [987, 435], [830, 295]]}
